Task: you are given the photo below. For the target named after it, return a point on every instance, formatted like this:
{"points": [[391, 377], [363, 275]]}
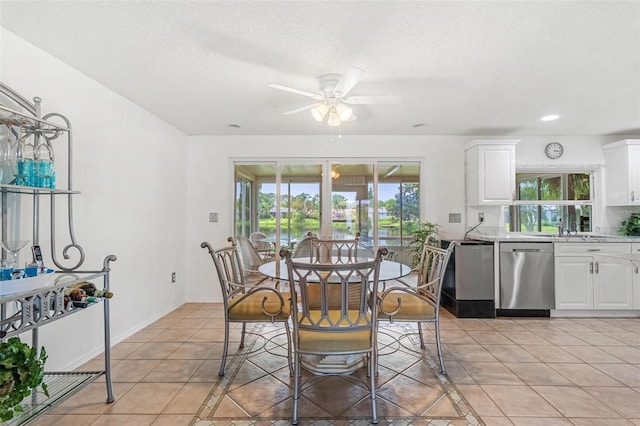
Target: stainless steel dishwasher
{"points": [[526, 279]]}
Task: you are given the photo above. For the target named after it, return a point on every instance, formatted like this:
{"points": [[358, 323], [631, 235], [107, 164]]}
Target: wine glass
{"points": [[13, 247], [8, 158]]}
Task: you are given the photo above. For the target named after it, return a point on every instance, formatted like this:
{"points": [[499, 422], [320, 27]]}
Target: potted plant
{"points": [[423, 235], [21, 371], [631, 226]]}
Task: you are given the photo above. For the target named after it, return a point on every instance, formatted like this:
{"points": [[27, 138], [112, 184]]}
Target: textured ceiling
{"points": [[461, 67]]}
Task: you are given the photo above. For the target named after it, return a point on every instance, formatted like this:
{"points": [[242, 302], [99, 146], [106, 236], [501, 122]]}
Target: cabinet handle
{"points": [[633, 195], [591, 267], [593, 249], [637, 269], [597, 267]]}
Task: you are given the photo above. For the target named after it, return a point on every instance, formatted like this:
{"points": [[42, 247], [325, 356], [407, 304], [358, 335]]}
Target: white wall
{"points": [[210, 182], [131, 169]]}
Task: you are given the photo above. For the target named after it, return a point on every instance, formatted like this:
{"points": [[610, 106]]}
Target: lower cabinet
{"points": [[584, 280], [635, 248]]}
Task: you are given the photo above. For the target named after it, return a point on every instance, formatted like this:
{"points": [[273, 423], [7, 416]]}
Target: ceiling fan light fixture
{"points": [[344, 112], [319, 112], [334, 118]]}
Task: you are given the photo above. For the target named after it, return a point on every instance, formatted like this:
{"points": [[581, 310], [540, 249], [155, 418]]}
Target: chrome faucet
{"points": [[559, 225]]}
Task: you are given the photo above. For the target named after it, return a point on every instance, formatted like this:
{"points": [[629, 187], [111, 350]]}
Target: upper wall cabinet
{"points": [[490, 172], [622, 172]]}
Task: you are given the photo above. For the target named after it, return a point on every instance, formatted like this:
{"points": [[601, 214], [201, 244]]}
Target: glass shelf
{"points": [[33, 190], [60, 386], [42, 124]]}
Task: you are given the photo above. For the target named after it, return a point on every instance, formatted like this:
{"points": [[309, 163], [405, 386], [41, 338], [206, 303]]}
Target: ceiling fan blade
{"points": [[297, 110], [349, 79], [362, 100], [297, 91]]}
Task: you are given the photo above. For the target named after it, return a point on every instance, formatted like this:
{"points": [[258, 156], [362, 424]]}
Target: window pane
{"points": [[579, 186], [243, 206], [528, 189], [300, 202], [398, 203], [350, 201], [550, 188]]}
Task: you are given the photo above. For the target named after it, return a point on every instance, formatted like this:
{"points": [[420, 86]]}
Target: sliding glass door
{"points": [[284, 201]]}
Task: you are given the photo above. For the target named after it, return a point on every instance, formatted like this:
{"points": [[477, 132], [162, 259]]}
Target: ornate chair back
{"points": [[246, 303], [325, 325]]}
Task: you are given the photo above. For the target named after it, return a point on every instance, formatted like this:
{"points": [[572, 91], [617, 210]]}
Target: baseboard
{"points": [[543, 313]]}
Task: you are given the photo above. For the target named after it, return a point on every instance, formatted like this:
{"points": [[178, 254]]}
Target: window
{"points": [[544, 199], [337, 206]]}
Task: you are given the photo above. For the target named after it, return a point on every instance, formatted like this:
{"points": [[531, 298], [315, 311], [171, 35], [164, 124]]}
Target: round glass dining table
{"points": [[389, 270]]}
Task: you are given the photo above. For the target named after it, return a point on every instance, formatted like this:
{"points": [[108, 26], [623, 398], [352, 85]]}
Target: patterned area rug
{"points": [[257, 387]]}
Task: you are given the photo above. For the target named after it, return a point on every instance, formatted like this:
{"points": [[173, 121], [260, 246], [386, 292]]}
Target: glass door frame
{"points": [[326, 188]]}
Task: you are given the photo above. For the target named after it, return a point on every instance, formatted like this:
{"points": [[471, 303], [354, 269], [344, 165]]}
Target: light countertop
{"points": [[580, 238]]}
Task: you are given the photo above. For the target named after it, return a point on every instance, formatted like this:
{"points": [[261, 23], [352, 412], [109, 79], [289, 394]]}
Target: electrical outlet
{"points": [[173, 277], [480, 216], [455, 217], [213, 217]]}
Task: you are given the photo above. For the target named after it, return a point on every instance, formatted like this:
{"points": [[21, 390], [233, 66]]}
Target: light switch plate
{"points": [[455, 217], [213, 217]]}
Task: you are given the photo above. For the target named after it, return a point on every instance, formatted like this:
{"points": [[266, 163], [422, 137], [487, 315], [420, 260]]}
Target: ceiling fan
{"points": [[332, 101]]}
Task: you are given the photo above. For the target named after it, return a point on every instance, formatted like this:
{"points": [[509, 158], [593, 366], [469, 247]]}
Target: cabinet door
{"points": [[613, 286], [634, 175], [622, 174], [635, 249], [491, 173], [496, 174], [574, 282], [636, 286]]}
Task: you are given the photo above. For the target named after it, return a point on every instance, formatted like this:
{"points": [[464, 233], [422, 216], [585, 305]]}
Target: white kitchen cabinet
{"points": [[635, 248], [586, 281], [490, 173], [573, 282], [622, 172]]}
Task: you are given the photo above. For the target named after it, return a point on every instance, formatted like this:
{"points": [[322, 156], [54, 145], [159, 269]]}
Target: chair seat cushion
{"points": [[333, 340], [251, 307], [412, 308]]}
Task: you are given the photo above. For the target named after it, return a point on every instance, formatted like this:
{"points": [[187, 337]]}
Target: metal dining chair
{"points": [[327, 326], [246, 303], [325, 250], [250, 257], [263, 247], [420, 303]]}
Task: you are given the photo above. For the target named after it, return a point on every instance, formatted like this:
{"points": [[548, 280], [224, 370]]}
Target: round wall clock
{"points": [[554, 150]]}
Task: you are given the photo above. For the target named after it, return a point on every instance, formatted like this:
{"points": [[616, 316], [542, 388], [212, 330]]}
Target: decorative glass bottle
{"points": [[25, 170], [44, 166]]}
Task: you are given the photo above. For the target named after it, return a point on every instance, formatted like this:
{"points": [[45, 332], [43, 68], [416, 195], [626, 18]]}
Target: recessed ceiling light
{"points": [[550, 117]]}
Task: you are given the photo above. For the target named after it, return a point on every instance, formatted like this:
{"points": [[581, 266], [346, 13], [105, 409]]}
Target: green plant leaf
{"points": [[23, 365], [631, 226], [423, 235]]}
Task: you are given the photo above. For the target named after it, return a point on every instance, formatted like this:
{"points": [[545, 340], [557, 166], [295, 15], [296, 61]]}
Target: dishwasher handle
{"points": [[522, 250]]}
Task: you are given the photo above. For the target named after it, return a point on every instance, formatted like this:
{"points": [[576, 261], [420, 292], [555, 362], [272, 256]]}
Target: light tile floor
{"points": [[517, 371]]}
